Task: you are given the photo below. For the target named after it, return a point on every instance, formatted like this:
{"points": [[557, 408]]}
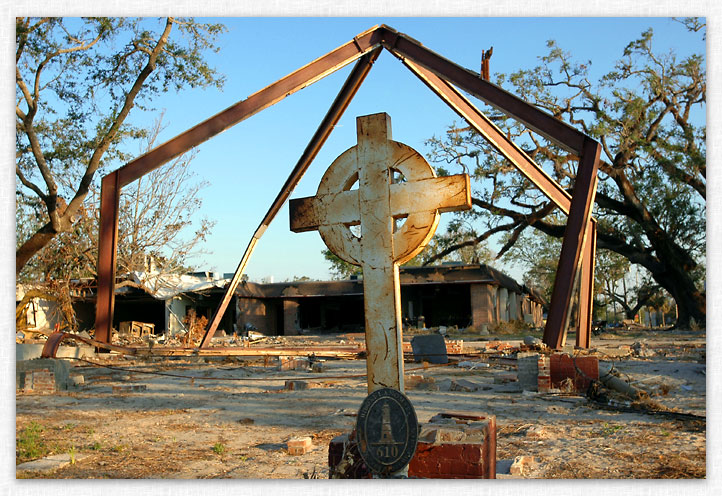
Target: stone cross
{"points": [[394, 183]]}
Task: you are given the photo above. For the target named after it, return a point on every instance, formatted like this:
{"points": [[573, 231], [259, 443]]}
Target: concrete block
{"points": [[464, 385], [299, 445], [50, 463], [528, 366], [31, 351], [444, 385], [77, 380], [522, 465], [129, 388]]}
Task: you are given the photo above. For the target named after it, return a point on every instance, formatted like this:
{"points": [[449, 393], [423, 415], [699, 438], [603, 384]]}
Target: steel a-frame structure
{"points": [[443, 77]]}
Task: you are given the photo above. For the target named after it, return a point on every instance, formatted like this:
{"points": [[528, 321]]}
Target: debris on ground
{"points": [[168, 430]]}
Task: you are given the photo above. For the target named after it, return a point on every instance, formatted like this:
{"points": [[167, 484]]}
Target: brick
{"points": [[39, 382], [42, 375], [563, 366], [296, 385], [436, 458], [299, 445]]}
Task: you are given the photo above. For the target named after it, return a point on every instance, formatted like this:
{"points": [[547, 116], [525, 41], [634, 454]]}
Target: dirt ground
{"points": [[231, 418]]}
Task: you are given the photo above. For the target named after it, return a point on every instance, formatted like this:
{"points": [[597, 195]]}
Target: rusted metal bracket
{"points": [[407, 49]]}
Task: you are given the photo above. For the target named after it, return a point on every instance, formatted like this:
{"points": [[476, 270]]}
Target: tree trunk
{"points": [[34, 244], [691, 303]]}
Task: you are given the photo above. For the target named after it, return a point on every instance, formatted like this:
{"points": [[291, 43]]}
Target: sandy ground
{"points": [[233, 418]]}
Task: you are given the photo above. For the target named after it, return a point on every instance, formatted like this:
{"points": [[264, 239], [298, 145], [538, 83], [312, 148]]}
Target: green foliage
{"points": [[30, 444], [340, 269], [156, 214], [647, 112], [219, 448], [608, 430]]}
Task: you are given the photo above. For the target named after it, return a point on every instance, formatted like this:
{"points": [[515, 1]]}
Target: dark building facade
{"points": [[460, 295]]}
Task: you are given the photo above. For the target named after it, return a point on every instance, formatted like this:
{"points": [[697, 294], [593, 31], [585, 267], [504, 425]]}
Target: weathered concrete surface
{"points": [[50, 463], [30, 351]]}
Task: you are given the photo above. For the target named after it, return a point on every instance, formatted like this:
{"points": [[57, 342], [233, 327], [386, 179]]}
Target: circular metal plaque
{"points": [[387, 431]]}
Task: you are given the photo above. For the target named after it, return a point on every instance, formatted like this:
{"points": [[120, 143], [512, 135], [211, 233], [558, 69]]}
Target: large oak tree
{"points": [[648, 113]]}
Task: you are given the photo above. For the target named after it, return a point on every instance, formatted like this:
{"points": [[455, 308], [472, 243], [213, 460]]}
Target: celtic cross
{"points": [[394, 183]]}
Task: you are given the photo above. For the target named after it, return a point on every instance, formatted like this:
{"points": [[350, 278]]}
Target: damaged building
{"points": [[449, 295]]}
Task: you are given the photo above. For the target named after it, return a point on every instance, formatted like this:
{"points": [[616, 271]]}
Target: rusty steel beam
{"points": [[368, 41], [297, 80], [557, 131], [579, 217], [493, 135], [107, 252], [338, 107]]}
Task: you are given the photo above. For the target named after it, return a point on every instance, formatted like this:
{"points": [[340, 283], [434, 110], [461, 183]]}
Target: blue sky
{"points": [[247, 165]]}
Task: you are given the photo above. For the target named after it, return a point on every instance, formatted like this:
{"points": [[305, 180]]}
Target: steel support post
{"points": [[297, 80], [107, 251], [530, 169], [338, 107], [586, 288], [579, 217]]}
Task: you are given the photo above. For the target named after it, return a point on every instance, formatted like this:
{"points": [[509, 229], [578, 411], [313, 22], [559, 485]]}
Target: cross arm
{"points": [[312, 211], [445, 194]]}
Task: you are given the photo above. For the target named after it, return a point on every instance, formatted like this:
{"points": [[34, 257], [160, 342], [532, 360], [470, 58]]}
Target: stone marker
{"points": [[429, 348], [394, 182]]}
